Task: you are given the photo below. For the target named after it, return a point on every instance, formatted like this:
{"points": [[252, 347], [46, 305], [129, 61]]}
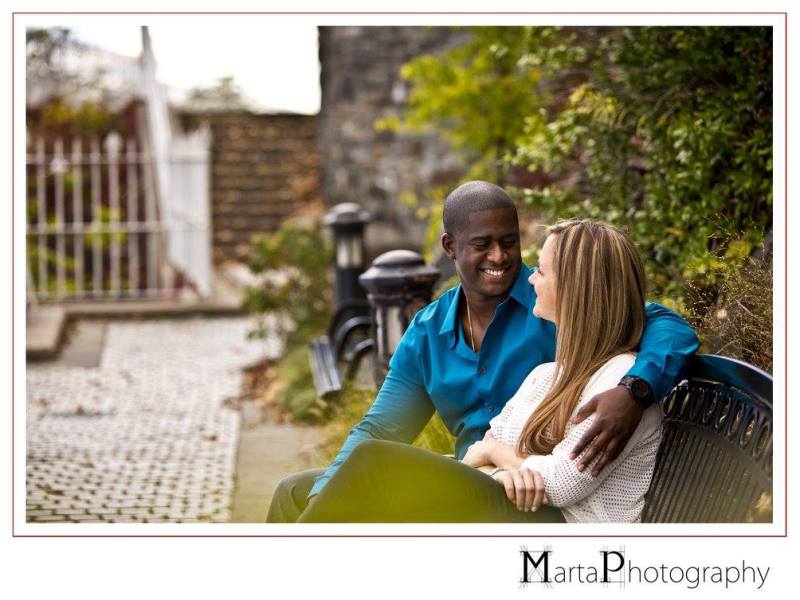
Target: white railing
{"points": [[93, 228]]}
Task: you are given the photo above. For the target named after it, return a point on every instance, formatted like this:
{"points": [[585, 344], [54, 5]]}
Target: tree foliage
{"points": [[225, 95], [666, 131], [45, 53], [479, 95], [670, 135], [61, 101]]}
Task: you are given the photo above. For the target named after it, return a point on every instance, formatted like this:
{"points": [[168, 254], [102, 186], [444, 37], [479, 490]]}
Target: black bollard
{"points": [[398, 284]]}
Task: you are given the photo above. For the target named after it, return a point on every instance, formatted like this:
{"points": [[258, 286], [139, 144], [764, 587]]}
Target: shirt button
{"points": [[482, 371], [490, 407]]}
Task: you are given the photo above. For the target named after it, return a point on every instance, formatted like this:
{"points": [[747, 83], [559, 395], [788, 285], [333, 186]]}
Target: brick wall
{"points": [[264, 168]]}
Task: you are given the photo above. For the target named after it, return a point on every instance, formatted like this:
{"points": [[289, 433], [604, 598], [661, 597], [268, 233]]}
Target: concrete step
{"points": [[83, 345], [46, 323], [44, 331]]}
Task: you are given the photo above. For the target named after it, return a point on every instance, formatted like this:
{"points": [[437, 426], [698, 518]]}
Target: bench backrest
{"points": [[715, 460]]}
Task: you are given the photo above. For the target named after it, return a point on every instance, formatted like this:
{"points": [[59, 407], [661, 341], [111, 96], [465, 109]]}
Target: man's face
{"points": [[487, 252]]}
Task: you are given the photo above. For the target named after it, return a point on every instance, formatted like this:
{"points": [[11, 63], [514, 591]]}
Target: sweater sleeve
{"points": [[564, 483]]}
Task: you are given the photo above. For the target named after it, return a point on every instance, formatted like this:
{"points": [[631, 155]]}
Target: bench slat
{"points": [[714, 464]]}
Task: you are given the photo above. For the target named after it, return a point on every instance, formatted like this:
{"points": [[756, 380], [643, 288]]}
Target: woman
{"points": [[591, 284]]}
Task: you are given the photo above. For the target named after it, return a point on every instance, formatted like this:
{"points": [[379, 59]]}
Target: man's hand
{"points": [[616, 416], [524, 487]]}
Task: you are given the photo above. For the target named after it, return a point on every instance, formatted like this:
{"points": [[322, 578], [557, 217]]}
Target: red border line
{"points": [[378, 14], [785, 292], [379, 535], [13, 291], [786, 267]]}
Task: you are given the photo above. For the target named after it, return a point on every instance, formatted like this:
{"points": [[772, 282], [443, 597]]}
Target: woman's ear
{"points": [[448, 246]]}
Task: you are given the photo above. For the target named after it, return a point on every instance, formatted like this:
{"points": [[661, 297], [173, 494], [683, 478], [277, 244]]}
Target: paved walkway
{"points": [[268, 452], [145, 436]]}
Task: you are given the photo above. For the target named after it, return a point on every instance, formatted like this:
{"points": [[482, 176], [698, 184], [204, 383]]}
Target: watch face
{"points": [[640, 389]]}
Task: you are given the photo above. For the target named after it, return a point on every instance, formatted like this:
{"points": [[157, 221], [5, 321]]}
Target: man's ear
{"points": [[448, 245]]}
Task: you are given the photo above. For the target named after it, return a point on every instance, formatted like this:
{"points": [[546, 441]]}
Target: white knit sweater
{"points": [[617, 493]]}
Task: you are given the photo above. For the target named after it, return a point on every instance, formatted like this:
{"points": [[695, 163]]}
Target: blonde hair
{"points": [[600, 295]]}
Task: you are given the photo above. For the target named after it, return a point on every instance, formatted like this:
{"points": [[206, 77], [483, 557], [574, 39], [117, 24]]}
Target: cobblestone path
{"points": [[146, 436]]}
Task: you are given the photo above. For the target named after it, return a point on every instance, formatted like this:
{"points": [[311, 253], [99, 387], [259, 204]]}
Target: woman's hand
{"points": [[524, 487], [477, 455], [501, 454]]}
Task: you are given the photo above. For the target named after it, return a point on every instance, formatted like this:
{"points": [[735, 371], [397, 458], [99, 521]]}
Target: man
{"points": [[465, 354]]}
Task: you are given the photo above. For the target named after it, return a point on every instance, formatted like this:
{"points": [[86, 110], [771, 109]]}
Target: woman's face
{"points": [[543, 281]]}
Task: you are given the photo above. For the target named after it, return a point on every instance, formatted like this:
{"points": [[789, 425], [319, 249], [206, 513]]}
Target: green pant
{"points": [[291, 496], [387, 482]]}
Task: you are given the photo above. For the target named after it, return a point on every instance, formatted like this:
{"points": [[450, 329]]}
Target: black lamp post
{"points": [[398, 284], [347, 221], [350, 324]]}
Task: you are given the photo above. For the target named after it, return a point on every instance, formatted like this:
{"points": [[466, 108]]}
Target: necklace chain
{"points": [[469, 319]]}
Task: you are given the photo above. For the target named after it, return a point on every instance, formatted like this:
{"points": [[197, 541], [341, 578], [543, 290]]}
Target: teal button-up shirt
{"points": [[433, 368]]}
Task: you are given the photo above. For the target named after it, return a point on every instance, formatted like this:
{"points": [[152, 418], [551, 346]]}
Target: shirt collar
{"points": [[521, 292], [449, 321]]}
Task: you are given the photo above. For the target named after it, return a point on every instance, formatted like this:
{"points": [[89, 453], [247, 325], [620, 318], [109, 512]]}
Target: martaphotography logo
{"points": [[615, 567]]}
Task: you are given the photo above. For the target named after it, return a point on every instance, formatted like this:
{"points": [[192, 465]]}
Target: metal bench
{"points": [[714, 464], [347, 341]]}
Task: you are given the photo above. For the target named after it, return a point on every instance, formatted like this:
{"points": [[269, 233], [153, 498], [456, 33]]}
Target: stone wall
{"points": [[360, 83], [265, 168]]}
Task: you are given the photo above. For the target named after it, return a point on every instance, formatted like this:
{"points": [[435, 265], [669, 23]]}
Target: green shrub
{"points": [[296, 264], [670, 135]]}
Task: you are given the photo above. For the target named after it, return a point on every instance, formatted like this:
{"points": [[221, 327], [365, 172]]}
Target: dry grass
{"points": [[739, 324], [352, 405]]}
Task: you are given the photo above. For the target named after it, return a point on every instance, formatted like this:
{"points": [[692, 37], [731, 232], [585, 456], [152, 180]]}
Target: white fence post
{"points": [[41, 213], [95, 162], [77, 214], [132, 217], [112, 147], [58, 167]]}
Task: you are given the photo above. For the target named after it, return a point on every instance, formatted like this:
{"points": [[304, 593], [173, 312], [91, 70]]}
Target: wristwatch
{"points": [[639, 389]]}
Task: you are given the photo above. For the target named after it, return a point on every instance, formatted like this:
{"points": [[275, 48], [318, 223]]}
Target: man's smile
{"points": [[494, 274]]}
